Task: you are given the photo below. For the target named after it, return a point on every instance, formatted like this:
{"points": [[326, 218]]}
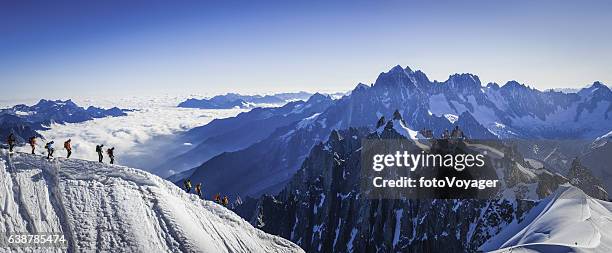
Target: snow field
{"points": [[117, 209]]}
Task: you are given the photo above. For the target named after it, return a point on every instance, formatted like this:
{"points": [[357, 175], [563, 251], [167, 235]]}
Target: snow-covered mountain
{"points": [[45, 112], [566, 221], [485, 112], [512, 110], [58, 111], [107, 208]]}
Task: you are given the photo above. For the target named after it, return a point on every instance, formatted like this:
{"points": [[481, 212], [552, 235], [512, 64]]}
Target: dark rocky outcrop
{"points": [[323, 209]]}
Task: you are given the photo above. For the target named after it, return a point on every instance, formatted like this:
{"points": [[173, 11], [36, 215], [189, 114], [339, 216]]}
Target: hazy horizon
{"points": [[119, 49]]}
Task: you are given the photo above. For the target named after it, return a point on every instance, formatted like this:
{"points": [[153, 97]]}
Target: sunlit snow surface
{"points": [[110, 208], [566, 221], [131, 135]]}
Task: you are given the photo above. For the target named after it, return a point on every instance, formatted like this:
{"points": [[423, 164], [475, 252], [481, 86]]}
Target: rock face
{"points": [[323, 209], [108, 208], [597, 159], [581, 177]]}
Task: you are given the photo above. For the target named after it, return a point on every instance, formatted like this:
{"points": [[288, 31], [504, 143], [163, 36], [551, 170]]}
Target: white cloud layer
{"points": [[155, 118]]}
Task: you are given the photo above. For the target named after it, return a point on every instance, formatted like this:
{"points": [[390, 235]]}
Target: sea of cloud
{"points": [[139, 137]]}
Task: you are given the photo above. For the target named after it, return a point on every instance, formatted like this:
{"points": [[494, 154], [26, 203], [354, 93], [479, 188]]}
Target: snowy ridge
{"points": [[399, 126], [602, 140], [566, 221], [117, 209], [605, 136]]}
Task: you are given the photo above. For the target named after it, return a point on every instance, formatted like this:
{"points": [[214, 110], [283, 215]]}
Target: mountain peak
{"points": [[45, 102], [42, 102], [397, 115], [512, 84], [464, 81], [318, 98], [597, 84], [493, 85], [596, 88], [408, 69], [360, 87], [396, 77], [397, 69]]}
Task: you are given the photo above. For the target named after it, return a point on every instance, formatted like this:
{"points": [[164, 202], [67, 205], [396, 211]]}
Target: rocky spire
{"points": [[335, 136], [397, 115], [380, 122]]}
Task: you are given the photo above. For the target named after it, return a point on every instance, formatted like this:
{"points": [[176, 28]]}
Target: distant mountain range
{"points": [[484, 112], [233, 100], [570, 90], [24, 120], [247, 128]]}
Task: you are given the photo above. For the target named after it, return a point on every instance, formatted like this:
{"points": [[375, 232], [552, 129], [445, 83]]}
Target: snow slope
{"points": [[566, 221], [113, 208]]}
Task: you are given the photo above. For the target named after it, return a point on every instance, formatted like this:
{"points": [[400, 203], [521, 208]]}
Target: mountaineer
{"points": [[68, 147], [198, 189], [32, 142], [99, 151], [50, 149], [111, 154], [187, 185], [11, 142]]}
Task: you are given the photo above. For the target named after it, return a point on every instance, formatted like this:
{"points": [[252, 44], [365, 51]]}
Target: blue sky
{"points": [[104, 48]]}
